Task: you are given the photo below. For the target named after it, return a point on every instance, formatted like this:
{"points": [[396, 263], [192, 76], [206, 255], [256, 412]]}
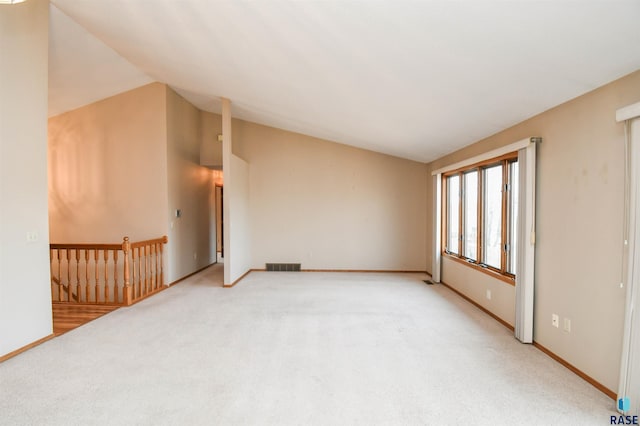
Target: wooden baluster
{"points": [[60, 292], [154, 266], [143, 289], [115, 276], [106, 288], [140, 284], [138, 273], [140, 254], [147, 269], [164, 241], [96, 257], [143, 270], [106, 275], [151, 263], [134, 274], [78, 275], [86, 274], [126, 291], [135, 281], [68, 275], [51, 277], [158, 265]]}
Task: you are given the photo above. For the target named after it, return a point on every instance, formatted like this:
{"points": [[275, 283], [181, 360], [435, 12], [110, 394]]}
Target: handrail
{"points": [[86, 246], [93, 273], [162, 240]]}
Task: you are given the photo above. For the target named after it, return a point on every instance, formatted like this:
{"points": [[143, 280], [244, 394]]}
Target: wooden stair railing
{"points": [[111, 274]]}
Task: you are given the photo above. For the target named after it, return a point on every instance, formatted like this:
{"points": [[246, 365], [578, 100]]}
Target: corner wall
{"points": [[210, 148], [108, 169], [579, 229], [122, 166], [25, 294], [331, 206], [238, 254], [190, 189]]}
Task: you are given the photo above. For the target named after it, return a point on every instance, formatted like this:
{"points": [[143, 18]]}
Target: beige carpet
{"points": [[295, 349]]}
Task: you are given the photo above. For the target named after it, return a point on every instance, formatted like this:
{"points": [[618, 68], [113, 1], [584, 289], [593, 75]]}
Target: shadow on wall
{"points": [[76, 171]]}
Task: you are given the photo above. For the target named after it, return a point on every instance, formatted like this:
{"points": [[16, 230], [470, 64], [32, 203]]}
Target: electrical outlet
{"points": [[32, 236], [567, 325], [555, 320], [195, 256], [488, 294]]}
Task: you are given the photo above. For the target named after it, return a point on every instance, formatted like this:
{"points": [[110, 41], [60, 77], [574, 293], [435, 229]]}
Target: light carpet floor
{"points": [[295, 349]]}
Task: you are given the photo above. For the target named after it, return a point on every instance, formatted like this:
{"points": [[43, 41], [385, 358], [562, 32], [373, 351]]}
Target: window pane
{"points": [[513, 217], [492, 244], [470, 212], [453, 210]]}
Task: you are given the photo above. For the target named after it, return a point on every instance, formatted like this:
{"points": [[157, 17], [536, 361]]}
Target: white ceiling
{"points": [[412, 79], [82, 69]]}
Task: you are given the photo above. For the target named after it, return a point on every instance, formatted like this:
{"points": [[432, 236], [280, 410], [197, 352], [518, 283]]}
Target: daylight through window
{"points": [[481, 215]]}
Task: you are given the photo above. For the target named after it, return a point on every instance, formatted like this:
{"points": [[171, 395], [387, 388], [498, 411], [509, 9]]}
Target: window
{"points": [[453, 215], [492, 196], [512, 219], [481, 217], [470, 230]]}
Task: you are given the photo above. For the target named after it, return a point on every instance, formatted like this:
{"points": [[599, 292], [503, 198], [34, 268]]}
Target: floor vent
{"points": [[283, 267], [428, 282]]}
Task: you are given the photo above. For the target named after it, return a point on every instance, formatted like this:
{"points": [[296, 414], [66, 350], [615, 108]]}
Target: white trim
{"points": [[486, 156], [525, 267], [629, 112], [629, 383]]}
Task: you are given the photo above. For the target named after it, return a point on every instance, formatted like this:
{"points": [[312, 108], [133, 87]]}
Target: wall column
{"points": [[226, 201], [25, 292]]}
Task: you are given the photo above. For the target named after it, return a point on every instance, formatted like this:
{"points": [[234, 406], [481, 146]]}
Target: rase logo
{"points": [[623, 405]]}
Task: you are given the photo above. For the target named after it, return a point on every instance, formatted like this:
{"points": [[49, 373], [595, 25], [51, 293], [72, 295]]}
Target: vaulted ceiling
{"points": [[412, 79]]}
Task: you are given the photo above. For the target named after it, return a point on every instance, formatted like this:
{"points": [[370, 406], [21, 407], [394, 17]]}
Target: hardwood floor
{"points": [[67, 316]]}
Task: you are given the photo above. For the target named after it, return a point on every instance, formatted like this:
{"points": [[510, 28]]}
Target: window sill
{"points": [[497, 275]]}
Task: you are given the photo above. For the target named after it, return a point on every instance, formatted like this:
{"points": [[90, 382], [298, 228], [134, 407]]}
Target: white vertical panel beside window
{"points": [[525, 243], [629, 384]]}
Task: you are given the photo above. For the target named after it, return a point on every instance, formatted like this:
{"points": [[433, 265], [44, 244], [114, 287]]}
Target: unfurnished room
{"points": [[313, 212]]}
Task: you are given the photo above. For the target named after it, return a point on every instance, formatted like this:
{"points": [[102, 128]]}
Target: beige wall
{"points": [[25, 295], [238, 252], [190, 188], [579, 228], [123, 166], [330, 206], [210, 148], [475, 285], [108, 169]]}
